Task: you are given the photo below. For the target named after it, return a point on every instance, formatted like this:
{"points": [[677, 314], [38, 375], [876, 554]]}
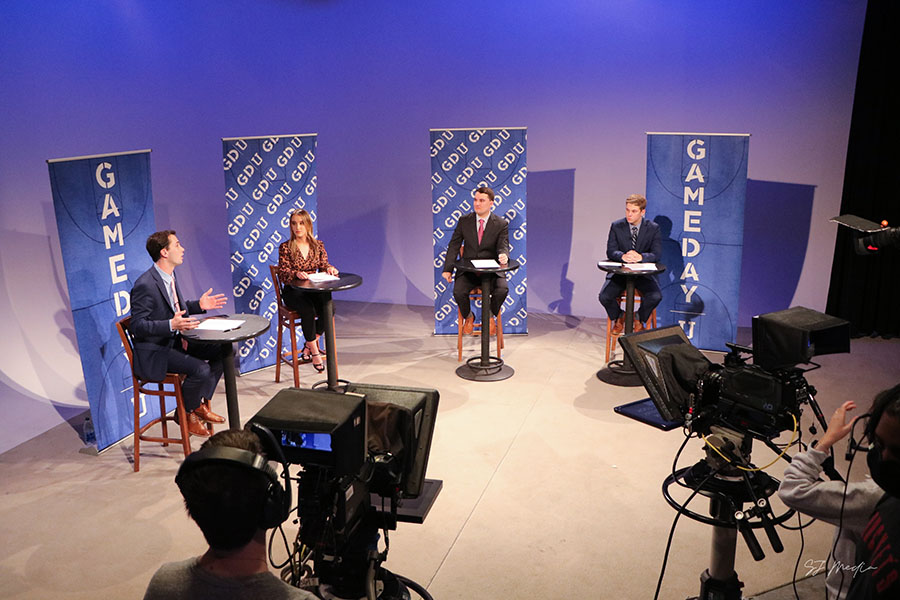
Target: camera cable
{"points": [[729, 461], [678, 514], [851, 452]]}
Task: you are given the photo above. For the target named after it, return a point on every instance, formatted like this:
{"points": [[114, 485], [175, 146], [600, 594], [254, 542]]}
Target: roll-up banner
{"points": [[104, 214], [696, 187], [266, 178], [462, 160]]}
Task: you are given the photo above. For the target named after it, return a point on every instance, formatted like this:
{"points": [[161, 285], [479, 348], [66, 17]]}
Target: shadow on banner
{"points": [[696, 187]]}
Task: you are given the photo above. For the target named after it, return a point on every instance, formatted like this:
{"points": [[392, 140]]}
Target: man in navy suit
{"points": [[632, 240], [158, 316], [486, 236]]}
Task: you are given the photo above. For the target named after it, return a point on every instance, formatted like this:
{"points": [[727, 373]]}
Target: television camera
{"points": [[728, 405], [362, 456]]}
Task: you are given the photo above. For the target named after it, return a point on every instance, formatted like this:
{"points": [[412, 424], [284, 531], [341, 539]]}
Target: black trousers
{"points": [[202, 363], [311, 308], [464, 283], [651, 296]]}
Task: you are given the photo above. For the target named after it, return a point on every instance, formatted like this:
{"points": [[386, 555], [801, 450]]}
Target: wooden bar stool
{"points": [[289, 319], [612, 337], [475, 294], [141, 386]]}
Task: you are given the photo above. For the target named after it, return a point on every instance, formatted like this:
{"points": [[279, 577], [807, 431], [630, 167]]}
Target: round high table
{"points": [[344, 281], [485, 367], [252, 326], [622, 372]]}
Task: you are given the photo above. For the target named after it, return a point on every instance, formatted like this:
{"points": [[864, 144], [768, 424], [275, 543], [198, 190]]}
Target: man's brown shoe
{"points": [[619, 325], [207, 415], [196, 427], [638, 326], [469, 324]]}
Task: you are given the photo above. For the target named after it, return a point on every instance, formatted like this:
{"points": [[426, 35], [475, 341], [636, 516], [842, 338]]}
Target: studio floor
{"points": [[547, 493]]}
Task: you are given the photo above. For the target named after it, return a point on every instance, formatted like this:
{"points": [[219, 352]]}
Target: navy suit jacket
{"points": [[649, 241], [150, 316], [494, 240]]}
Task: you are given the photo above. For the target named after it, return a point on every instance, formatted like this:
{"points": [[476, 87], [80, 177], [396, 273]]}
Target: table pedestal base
{"points": [[339, 385], [477, 369]]}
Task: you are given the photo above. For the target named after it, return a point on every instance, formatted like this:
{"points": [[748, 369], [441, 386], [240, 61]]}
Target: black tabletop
{"points": [[345, 281], [252, 326], [466, 265], [624, 270]]}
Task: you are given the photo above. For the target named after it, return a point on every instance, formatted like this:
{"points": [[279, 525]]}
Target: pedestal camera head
{"points": [[363, 456], [761, 399], [729, 405]]}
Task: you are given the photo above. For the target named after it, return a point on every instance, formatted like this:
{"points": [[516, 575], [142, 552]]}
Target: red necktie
{"points": [[480, 229], [184, 344], [175, 297]]}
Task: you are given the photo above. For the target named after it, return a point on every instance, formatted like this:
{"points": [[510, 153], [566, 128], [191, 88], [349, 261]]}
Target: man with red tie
{"points": [[158, 316], [486, 236]]}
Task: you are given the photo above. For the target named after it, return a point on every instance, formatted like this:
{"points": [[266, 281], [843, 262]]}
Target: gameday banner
{"points": [[462, 160], [696, 187], [104, 214], [266, 178]]}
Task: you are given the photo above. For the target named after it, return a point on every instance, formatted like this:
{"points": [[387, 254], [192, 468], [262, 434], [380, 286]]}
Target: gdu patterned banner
{"points": [[696, 186], [265, 179], [462, 160], [104, 214]]}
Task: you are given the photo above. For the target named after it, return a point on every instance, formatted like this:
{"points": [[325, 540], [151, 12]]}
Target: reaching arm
{"points": [[209, 302], [802, 489]]}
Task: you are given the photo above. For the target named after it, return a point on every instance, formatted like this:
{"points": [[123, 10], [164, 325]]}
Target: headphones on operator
{"points": [[277, 503]]}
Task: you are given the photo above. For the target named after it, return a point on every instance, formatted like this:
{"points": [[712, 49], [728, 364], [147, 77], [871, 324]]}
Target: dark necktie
{"points": [[634, 232]]}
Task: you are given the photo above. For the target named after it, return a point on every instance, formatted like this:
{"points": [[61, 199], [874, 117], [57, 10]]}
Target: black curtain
{"points": [[865, 290]]}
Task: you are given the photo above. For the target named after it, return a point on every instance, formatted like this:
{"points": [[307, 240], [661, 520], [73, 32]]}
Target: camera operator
{"points": [[877, 556], [227, 501], [804, 491]]}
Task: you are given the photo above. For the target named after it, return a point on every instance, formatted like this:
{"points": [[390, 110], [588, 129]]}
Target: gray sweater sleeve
{"points": [[803, 491]]}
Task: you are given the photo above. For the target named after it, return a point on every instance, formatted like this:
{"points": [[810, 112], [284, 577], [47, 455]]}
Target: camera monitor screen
{"points": [[643, 349], [308, 441]]}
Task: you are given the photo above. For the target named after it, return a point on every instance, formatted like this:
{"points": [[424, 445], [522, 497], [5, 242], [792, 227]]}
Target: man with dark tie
{"points": [[482, 234], [632, 240], [158, 316]]}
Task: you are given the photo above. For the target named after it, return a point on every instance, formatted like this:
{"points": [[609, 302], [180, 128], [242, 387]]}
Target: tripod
{"points": [[725, 478]]}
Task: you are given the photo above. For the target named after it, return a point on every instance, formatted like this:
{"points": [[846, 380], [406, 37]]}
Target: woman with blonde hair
{"points": [[297, 258]]}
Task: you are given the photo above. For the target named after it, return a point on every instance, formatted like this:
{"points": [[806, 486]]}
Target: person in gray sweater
{"points": [[230, 492], [847, 509]]}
